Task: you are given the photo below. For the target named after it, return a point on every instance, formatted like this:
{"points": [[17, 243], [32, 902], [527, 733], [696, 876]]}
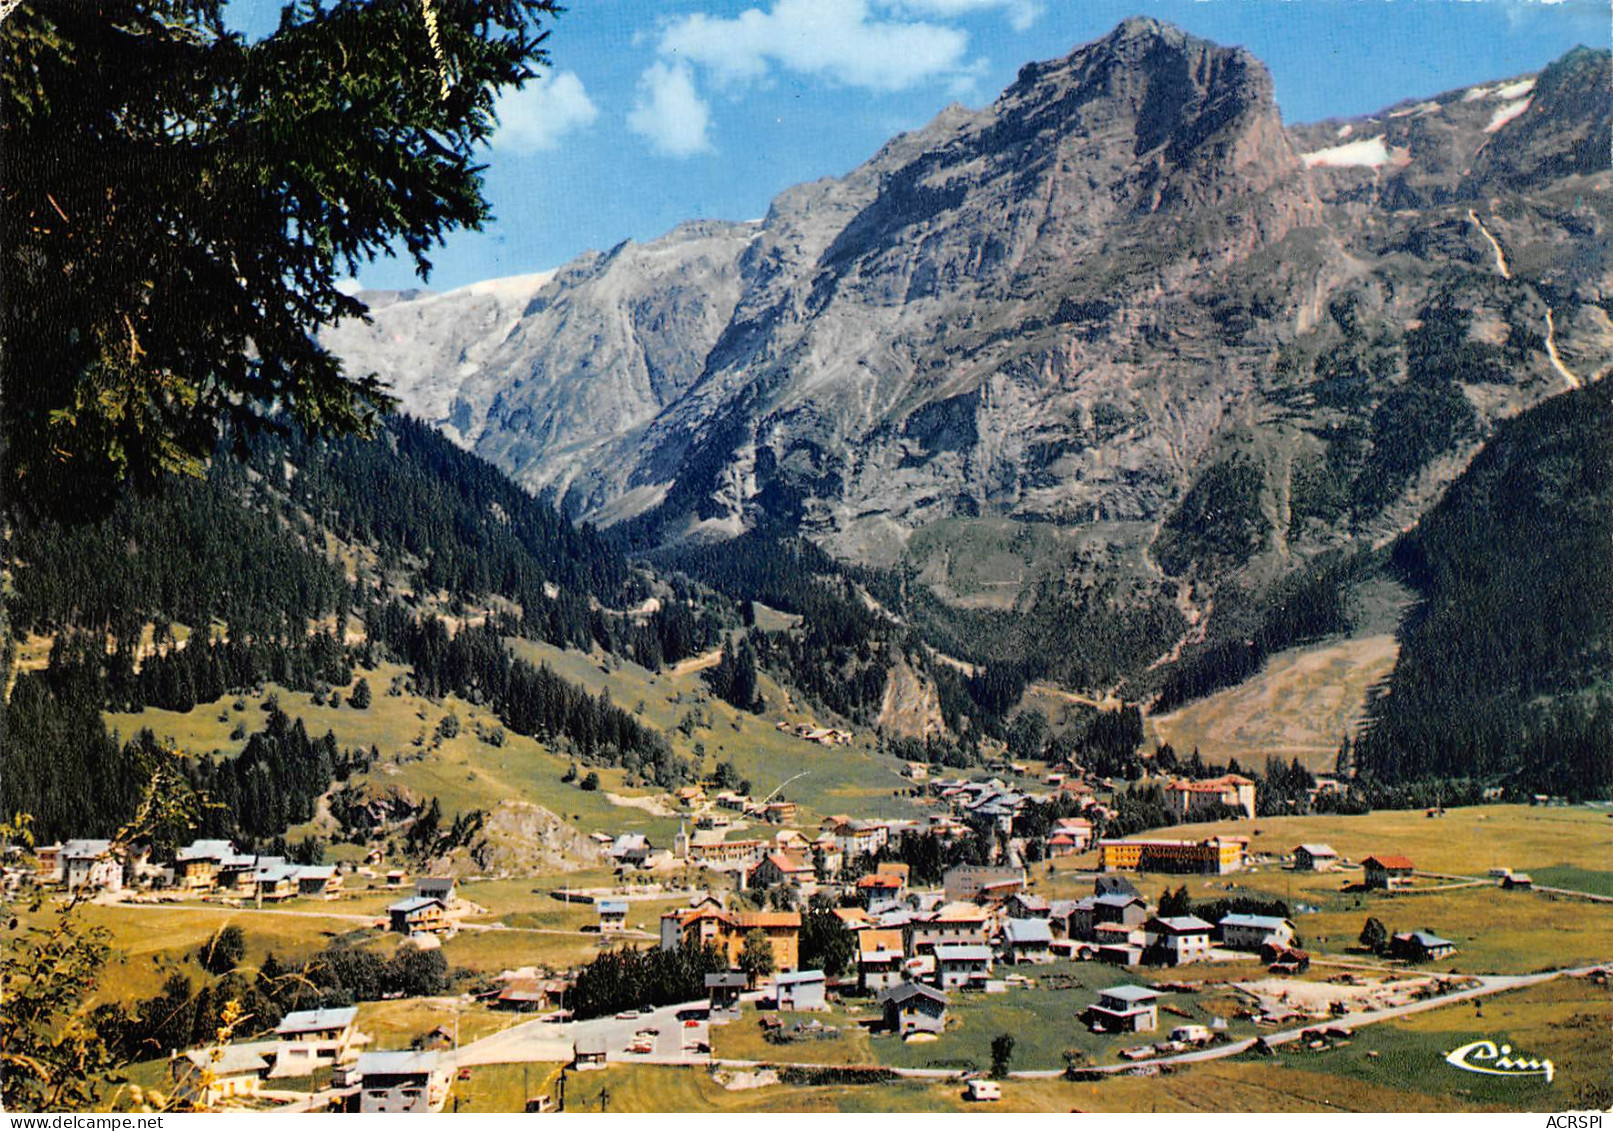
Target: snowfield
{"points": [[1506, 113], [1369, 151]]}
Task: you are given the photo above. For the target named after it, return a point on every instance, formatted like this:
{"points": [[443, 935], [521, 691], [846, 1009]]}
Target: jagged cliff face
{"points": [[540, 373], [1123, 302]]}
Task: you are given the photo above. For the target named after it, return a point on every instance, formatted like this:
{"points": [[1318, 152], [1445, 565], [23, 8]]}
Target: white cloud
{"points": [[842, 41], [882, 46], [670, 112], [1021, 13], [542, 112]]}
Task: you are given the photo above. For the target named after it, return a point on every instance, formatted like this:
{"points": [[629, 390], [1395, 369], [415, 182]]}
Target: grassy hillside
{"points": [[1302, 704]]}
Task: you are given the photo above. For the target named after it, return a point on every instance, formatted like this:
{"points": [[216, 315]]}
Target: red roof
{"points": [[1393, 863]]}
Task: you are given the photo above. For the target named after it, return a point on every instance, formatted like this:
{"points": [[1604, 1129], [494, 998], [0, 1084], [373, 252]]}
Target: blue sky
{"points": [[658, 111]]}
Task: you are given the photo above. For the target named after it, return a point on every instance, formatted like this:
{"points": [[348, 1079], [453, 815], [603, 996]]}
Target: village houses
{"points": [[1315, 858], [211, 1078], [1179, 939], [1388, 872], [913, 1007], [1125, 1009], [420, 914], [879, 958], [311, 1038], [402, 1082], [1253, 932]]}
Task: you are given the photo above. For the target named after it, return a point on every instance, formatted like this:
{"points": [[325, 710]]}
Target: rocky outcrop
{"points": [[1124, 299]]}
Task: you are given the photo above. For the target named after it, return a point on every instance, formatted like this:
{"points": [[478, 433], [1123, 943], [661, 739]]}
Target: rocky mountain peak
{"points": [[1079, 310]]}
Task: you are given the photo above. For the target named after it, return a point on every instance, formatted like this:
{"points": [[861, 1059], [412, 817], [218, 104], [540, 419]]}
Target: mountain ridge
{"points": [[1123, 301]]}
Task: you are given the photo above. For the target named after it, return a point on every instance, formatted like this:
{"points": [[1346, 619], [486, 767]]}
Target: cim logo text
{"points": [[1497, 1060]]}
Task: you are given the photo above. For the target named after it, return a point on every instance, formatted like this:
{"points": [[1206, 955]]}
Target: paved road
{"points": [[1488, 984], [546, 1041]]}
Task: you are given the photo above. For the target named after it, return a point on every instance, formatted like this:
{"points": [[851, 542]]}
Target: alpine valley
{"points": [[1114, 592]]}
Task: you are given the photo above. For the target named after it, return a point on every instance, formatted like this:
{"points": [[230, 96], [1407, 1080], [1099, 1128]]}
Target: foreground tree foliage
{"points": [[180, 204], [52, 1057]]}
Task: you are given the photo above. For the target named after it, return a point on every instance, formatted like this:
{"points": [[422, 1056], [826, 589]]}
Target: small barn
{"points": [[913, 1007]]}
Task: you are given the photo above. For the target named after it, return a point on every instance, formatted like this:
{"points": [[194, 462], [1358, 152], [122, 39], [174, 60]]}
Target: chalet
{"points": [[780, 868], [827, 855], [913, 1007], [780, 812], [1420, 946], [723, 990], [800, 990], [694, 926], [1022, 905], [896, 868], [1233, 791], [1124, 1009], [998, 892], [90, 865], [319, 881], [1114, 885], [310, 1038], [1179, 939], [792, 841], [1282, 959], [630, 850], [967, 881], [1517, 881], [206, 1078], [856, 838], [690, 795], [436, 887], [1126, 910], [960, 964], [879, 959], [588, 1053], [237, 873], [397, 878], [48, 864], [1059, 913], [962, 923], [878, 888], [1119, 946], [853, 918], [1070, 835], [1388, 872], [1315, 858], [528, 995], [728, 799], [421, 914], [1027, 940], [197, 865], [612, 915], [1252, 932], [274, 879], [402, 1082]]}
